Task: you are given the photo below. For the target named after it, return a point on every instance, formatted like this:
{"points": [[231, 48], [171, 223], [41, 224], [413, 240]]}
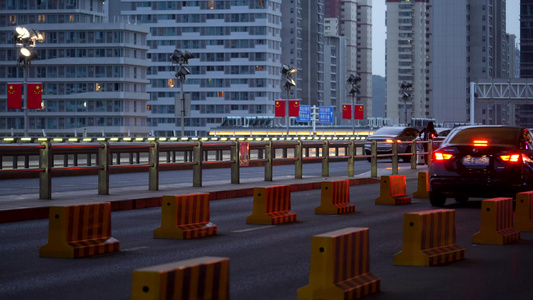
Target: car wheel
{"points": [[461, 198], [437, 199]]}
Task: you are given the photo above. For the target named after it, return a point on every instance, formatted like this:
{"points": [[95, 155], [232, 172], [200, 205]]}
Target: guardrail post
{"points": [[325, 161], [413, 157], [197, 168], [45, 177], [395, 157], [104, 156], [430, 153], [269, 158], [374, 159], [153, 172], [298, 164], [235, 167], [351, 159]]}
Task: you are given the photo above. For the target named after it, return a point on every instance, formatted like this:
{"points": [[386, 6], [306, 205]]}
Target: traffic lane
{"points": [[183, 177], [267, 262]]}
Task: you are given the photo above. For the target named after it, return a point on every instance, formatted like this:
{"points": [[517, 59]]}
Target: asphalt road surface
{"points": [[268, 262]]}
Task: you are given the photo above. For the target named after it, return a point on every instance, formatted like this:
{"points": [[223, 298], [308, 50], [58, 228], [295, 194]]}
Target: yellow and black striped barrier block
{"points": [[429, 239], [340, 266], [185, 217], [272, 206], [335, 198], [523, 219], [496, 222], [393, 190], [423, 186], [79, 231], [198, 278]]}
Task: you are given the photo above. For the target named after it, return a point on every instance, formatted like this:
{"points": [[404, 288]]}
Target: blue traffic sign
{"points": [[305, 114], [325, 114]]}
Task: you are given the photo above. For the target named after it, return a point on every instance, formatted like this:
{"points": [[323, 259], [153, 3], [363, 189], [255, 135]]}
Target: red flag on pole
{"points": [[279, 108], [294, 108], [358, 113], [14, 95], [346, 111], [35, 91]]}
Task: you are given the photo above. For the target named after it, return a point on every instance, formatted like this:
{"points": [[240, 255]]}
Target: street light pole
{"points": [[405, 96], [25, 107], [287, 72], [181, 58], [353, 80]]}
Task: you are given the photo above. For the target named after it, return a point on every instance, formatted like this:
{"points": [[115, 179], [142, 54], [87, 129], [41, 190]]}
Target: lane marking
{"points": [[134, 248], [255, 228]]}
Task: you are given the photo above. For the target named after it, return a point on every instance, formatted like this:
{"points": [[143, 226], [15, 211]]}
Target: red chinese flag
{"points": [[279, 108], [34, 95], [294, 108], [359, 111], [14, 95], [346, 111]]}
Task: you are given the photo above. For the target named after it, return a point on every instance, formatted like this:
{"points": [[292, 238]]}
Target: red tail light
{"points": [[510, 157], [481, 143], [442, 156]]}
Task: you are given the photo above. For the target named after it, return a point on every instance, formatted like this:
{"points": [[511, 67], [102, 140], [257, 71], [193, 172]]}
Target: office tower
{"points": [[408, 59], [526, 56], [335, 74], [236, 69], [354, 20], [469, 45], [93, 73]]}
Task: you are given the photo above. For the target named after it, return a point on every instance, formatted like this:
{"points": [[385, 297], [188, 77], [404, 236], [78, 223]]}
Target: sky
{"points": [[379, 31]]}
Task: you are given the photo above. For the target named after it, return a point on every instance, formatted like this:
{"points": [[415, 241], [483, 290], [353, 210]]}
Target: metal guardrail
{"points": [[48, 159]]}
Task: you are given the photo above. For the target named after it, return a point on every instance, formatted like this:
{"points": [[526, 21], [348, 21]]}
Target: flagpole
{"points": [[25, 107]]}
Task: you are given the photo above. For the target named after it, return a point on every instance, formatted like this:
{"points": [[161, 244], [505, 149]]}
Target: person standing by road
{"points": [[429, 134]]}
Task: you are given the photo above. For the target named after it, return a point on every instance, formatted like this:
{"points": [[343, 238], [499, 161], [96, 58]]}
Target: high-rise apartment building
{"points": [[354, 19], [526, 56], [236, 69], [93, 73], [408, 59]]}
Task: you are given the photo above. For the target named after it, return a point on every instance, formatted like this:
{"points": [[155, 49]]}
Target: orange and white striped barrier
{"points": [[197, 278], [335, 198], [79, 231], [185, 217], [423, 186], [523, 219], [272, 206], [429, 239], [496, 222], [340, 266], [393, 190]]}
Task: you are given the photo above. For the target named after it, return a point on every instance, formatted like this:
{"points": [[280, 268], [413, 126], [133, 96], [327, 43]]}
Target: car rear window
{"points": [[493, 135], [388, 131]]}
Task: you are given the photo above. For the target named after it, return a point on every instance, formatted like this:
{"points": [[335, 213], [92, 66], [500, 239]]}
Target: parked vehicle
{"points": [[482, 161], [386, 136]]}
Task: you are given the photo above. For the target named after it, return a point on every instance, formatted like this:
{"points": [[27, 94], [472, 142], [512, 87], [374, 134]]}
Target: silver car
{"points": [[386, 136]]}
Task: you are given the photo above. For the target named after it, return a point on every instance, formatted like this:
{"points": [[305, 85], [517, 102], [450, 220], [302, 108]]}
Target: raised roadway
{"points": [[269, 262]]}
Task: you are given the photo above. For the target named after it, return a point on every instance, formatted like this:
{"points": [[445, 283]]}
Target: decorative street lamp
{"points": [[182, 58], [405, 96], [289, 82], [25, 41], [353, 80]]}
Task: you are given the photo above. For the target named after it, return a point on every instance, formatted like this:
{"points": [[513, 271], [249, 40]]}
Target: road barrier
{"points": [[79, 231], [423, 186], [340, 266], [496, 222], [335, 198], [272, 205], [198, 278], [393, 190], [523, 220], [45, 158], [429, 239], [185, 217]]}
